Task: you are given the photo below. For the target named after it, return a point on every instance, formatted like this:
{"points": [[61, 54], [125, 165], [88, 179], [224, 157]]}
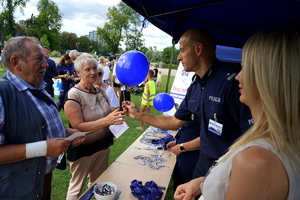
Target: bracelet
{"points": [[36, 149]]}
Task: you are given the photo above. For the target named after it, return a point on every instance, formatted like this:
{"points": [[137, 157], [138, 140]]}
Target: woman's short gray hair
{"points": [[83, 59]]}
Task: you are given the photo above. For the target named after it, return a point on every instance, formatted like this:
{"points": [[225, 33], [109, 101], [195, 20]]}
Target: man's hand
{"points": [[176, 150], [189, 190], [130, 108], [56, 146], [77, 141], [171, 144]]}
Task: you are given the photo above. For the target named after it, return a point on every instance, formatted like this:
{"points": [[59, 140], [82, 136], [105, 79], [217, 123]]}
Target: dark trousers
{"points": [[47, 186], [124, 96]]}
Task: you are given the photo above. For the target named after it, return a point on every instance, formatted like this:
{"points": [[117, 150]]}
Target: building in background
{"points": [[93, 36]]}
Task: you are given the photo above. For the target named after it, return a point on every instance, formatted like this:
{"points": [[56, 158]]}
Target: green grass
{"points": [[61, 178]]}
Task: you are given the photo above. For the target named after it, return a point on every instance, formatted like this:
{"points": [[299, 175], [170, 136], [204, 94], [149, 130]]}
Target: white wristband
{"points": [[36, 149]]}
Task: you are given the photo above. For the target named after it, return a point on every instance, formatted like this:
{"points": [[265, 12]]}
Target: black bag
{"points": [[63, 163]]}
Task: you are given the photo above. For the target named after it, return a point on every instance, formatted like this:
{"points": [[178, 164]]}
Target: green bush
{"points": [[167, 65], [55, 54]]}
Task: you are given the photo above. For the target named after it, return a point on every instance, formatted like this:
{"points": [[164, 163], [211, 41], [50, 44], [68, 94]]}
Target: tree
{"points": [[44, 41], [49, 22], [84, 44], [153, 55], [68, 41], [117, 29], [166, 55], [7, 20]]}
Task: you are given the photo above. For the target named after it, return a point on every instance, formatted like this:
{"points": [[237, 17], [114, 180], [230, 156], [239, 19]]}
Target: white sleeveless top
{"points": [[216, 183]]}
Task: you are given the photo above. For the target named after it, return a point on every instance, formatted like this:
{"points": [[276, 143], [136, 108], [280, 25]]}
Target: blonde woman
{"points": [[106, 75], [265, 162]]}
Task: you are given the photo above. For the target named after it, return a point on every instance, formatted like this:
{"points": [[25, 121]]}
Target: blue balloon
{"points": [[163, 102], [132, 68]]}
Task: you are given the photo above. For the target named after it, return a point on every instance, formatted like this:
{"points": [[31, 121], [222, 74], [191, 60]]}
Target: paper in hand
{"points": [[118, 130], [75, 135]]}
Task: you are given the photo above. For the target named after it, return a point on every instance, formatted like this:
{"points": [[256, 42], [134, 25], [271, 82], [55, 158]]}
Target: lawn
{"points": [[61, 177]]}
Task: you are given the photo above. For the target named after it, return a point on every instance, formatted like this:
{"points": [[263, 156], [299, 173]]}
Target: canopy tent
{"points": [[231, 21], [229, 54]]}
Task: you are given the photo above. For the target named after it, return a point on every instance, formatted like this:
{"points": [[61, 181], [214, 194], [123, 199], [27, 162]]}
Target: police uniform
{"points": [[213, 101], [186, 161], [49, 74], [62, 69]]}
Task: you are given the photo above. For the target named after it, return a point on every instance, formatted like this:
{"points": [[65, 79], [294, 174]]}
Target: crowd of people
{"points": [[238, 129]]}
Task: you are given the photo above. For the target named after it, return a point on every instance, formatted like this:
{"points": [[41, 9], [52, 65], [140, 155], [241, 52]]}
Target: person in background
{"points": [[1, 60], [155, 70], [51, 71], [73, 55], [115, 81], [212, 100], [148, 96], [31, 131], [109, 92], [265, 162], [88, 111], [159, 80], [106, 76], [67, 71]]}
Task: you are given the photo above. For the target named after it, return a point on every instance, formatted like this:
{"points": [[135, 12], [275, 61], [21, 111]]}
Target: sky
{"points": [[83, 16]]}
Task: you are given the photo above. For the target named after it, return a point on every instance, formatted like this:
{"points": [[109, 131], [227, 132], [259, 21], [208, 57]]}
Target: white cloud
{"points": [[83, 16]]}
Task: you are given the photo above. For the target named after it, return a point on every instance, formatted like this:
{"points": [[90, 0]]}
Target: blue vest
{"points": [[23, 124]]}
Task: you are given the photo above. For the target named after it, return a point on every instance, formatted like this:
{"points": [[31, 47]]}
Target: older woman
{"points": [[265, 162], [111, 95], [88, 110]]}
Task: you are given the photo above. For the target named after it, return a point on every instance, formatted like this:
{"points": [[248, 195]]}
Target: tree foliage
{"points": [[48, 22], [153, 54], [68, 41], [83, 44], [166, 55], [122, 21], [7, 19]]}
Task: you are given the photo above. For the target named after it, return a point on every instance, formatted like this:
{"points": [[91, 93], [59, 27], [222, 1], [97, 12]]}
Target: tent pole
{"points": [[170, 66]]}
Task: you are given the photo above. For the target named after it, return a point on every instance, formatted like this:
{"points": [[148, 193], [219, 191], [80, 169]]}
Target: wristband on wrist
{"points": [[36, 149]]}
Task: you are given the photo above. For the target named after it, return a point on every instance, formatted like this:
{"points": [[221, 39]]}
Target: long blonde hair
{"points": [[271, 71]]}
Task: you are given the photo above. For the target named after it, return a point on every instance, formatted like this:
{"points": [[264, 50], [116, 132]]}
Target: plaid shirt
{"points": [[55, 127]]}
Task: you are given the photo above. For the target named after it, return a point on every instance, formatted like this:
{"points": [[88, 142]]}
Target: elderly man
{"points": [[73, 55], [31, 131], [212, 100]]}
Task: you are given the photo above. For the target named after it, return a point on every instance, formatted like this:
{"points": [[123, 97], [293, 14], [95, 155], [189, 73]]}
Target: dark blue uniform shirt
{"points": [[215, 96], [62, 69], [50, 71]]}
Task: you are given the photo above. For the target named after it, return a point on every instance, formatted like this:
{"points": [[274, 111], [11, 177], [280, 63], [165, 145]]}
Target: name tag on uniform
{"points": [[215, 127]]}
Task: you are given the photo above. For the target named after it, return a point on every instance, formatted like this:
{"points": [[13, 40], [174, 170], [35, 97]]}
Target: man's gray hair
{"points": [[73, 53], [16, 46]]}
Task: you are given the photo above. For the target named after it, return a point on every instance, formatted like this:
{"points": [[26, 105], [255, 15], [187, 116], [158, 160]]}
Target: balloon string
{"points": [[124, 93]]}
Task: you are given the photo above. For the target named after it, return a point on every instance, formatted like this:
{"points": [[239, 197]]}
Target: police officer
{"points": [[65, 68], [212, 100]]}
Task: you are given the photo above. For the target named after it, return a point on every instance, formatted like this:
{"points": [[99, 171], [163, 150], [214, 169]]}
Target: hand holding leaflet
{"points": [[118, 130], [75, 135]]}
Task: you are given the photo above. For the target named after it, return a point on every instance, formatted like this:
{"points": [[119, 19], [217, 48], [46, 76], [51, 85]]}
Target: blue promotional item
{"points": [[163, 102], [132, 68]]}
